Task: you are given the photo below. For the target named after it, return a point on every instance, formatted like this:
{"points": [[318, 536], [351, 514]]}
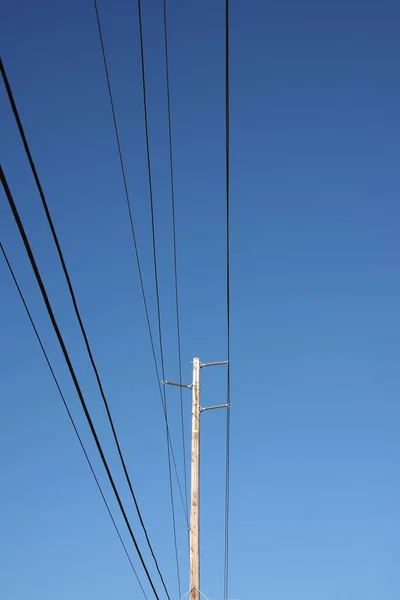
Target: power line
{"points": [[71, 369], [136, 249], [77, 313], [146, 125], [228, 293], [69, 413], [171, 166]]}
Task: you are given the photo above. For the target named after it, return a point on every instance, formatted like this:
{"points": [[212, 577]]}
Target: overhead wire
{"points": [[228, 294], [71, 369], [150, 182], [44, 294], [172, 179], [77, 313], [32, 322], [136, 248]]}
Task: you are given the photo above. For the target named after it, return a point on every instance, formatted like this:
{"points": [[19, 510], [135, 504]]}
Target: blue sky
{"points": [[315, 293]]}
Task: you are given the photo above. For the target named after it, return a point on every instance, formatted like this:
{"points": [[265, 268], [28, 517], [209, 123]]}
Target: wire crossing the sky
{"points": [[72, 371], [153, 232], [228, 294], [136, 249], [172, 179], [77, 312], [69, 413], [160, 370]]}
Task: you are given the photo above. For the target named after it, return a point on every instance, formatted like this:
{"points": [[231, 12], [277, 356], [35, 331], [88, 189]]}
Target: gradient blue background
{"points": [[315, 293]]}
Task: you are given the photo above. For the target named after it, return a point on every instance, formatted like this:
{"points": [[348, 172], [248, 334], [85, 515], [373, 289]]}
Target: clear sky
{"points": [[315, 294]]}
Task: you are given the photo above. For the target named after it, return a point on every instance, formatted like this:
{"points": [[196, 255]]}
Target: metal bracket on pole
{"points": [[183, 385], [213, 407], [214, 364]]}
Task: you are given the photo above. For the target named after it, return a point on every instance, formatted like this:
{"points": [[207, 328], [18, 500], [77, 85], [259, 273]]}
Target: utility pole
{"points": [[194, 529], [194, 534]]}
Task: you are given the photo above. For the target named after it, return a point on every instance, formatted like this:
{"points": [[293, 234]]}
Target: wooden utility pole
{"points": [[194, 536], [194, 529]]}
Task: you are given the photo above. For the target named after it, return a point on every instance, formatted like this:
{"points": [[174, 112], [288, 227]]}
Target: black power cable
{"points": [[148, 154], [228, 293], [69, 413], [77, 312], [71, 369], [172, 179], [136, 249]]}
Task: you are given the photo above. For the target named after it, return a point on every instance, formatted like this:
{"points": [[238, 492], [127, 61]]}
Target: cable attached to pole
{"points": [[173, 211], [228, 293]]}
